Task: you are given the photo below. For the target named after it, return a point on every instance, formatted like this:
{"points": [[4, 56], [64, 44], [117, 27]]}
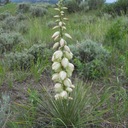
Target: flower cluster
{"points": [[62, 67]]}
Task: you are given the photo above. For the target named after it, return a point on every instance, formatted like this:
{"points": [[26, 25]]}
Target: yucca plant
{"points": [[62, 67]]}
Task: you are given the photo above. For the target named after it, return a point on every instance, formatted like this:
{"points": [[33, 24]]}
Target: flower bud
{"points": [[64, 62], [58, 55], [72, 86], [62, 42], [55, 27], [66, 48], [56, 66], [60, 24], [67, 82], [70, 98], [58, 87], [57, 9], [55, 34], [62, 12], [69, 89], [64, 94], [56, 16], [67, 35], [55, 45], [62, 75]]}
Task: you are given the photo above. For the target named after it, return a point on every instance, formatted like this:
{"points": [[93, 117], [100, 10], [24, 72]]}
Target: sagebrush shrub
{"points": [[40, 50], [4, 15], [19, 60], [9, 23], [22, 27], [9, 40], [90, 59], [72, 6], [27, 57], [20, 17], [37, 11], [23, 7]]}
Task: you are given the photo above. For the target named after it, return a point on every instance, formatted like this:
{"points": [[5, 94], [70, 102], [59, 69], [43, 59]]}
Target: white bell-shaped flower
{"points": [[56, 66], [57, 96], [67, 82], [55, 77], [58, 87], [57, 55], [62, 75], [64, 95], [65, 62], [70, 67], [68, 55]]}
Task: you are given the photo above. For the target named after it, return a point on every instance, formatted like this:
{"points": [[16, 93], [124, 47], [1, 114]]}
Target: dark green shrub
{"points": [[95, 4], [23, 7], [90, 59], [119, 7], [4, 15], [72, 5], [117, 34], [9, 40], [37, 11]]}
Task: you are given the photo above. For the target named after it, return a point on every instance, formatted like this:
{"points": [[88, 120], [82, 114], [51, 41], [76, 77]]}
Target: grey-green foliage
{"points": [[9, 40], [40, 50], [27, 57], [20, 60], [4, 15], [10, 23], [90, 59], [4, 108], [22, 27], [20, 17], [15, 23], [23, 7], [37, 11], [83, 5]]}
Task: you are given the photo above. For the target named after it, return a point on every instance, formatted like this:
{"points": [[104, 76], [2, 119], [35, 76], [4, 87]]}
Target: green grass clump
{"points": [[116, 36], [11, 8]]}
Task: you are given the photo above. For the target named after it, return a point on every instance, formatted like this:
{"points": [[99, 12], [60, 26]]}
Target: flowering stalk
{"points": [[62, 67]]}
